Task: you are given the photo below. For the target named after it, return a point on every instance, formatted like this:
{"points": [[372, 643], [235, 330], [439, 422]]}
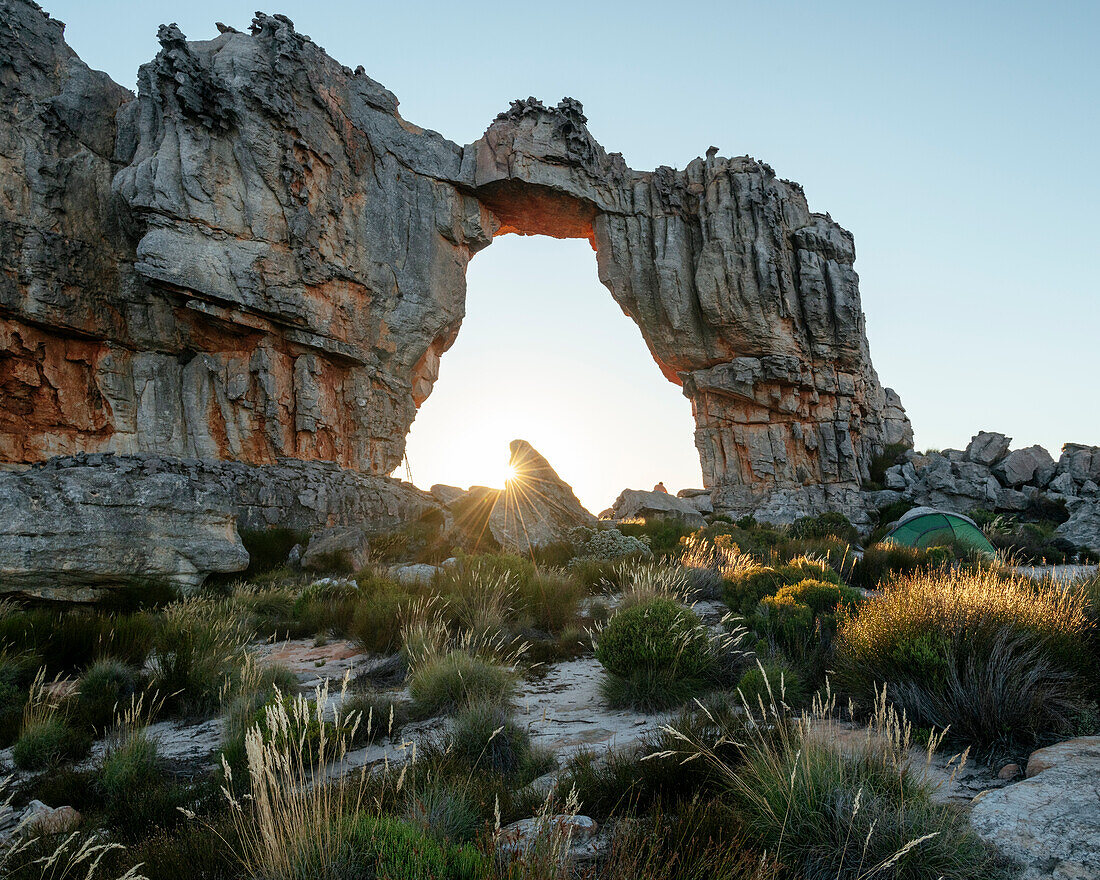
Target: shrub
{"points": [[607, 545], [485, 737], [199, 655], [827, 525], [772, 682], [376, 621], [67, 641], [661, 535], [380, 716], [457, 679], [1000, 660], [656, 634], [106, 685], [15, 673], [47, 743], [882, 562], [550, 600], [136, 793], [753, 583], [382, 847], [444, 812], [657, 655]]}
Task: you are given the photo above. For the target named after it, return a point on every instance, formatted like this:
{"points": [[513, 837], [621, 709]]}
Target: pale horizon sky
{"points": [[958, 143]]}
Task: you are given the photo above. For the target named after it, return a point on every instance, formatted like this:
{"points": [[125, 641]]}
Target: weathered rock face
{"points": [[258, 258], [536, 508], [988, 475], [1049, 822], [95, 527]]}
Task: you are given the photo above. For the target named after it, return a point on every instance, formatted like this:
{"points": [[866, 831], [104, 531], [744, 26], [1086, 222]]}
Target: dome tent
{"points": [[926, 527]]}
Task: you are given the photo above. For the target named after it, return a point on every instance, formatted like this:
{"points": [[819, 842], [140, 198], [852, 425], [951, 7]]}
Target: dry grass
{"points": [[1000, 660]]}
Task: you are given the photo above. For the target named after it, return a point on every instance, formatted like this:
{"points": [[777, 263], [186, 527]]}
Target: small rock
{"points": [[50, 820], [521, 836], [1009, 771]]}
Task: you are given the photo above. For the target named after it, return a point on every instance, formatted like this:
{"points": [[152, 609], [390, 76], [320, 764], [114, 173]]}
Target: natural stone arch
{"points": [[258, 258]]}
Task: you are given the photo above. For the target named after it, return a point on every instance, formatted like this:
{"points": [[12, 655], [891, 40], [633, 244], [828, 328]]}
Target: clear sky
{"points": [[957, 141]]}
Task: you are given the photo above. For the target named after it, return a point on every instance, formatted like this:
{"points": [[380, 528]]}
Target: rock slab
{"points": [[1050, 821]]}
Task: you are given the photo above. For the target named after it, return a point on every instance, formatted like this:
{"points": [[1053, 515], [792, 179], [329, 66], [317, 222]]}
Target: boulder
{"points": [[1063, 484], [1031, 464], [988, 447], [641, 504], [1080, 462], [340, 548], [416, 574], [523, 836], [82, 527], [1050, 821], [535, 508], [1083, 526]]}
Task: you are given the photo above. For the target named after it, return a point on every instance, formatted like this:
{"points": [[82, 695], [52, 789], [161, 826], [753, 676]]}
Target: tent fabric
{"points": [[926, 527]]}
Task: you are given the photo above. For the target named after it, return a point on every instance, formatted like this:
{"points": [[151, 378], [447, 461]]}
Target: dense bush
{"points": [[486, 737], [752, 583], [884, 561], [385, 848], [657, 654], [380, 716], [608, 544], [1000, 661], [104, 688], [772, 681], [67, 641], [662, 536], [47, 743], [457, 679], [198, 656], [827, 525]]}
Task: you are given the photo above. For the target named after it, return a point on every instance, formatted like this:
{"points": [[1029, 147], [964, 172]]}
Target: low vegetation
{"points": [[745, 635]]}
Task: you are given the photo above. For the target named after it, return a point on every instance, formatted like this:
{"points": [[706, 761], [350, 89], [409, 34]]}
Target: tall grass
{"points": [[822, 808], [999, 660]]}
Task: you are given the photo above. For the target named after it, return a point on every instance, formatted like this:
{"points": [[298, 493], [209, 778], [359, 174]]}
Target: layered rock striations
{"points": [[257, 258]]}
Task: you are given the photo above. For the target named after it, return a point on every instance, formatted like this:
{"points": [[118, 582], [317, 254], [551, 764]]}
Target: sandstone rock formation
{"points": [[257, 258], [988, 475], [1050, 821], [536, 507], [89, 527]]}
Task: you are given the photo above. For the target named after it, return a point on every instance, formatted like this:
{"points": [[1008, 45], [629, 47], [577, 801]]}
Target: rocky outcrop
{"points": [[258, 259], [990, 476], [103, 528], [535, 508], [101, 520], [1050, 821], [638, 504]]}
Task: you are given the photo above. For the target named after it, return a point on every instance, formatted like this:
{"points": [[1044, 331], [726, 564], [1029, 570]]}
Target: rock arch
{"points": [[257, 258]]}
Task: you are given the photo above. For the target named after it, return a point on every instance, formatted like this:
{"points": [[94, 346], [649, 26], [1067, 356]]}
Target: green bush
{"points": [[882, 562], [1005, 663], [485, 737], [656, 654], [785, 685], [47, 743], [104, 689], [385, 848], [458, 679], [68, 641], [655, 635], [137, 794], [662, 535], [380, 716], [16, 672], [375, 624], [749, 585], [444, 812], [550, 600], [199, 653], [827, 525]]}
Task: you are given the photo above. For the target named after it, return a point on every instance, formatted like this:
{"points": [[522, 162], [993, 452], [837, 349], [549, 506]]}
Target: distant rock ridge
{"points": [[257, 259]]}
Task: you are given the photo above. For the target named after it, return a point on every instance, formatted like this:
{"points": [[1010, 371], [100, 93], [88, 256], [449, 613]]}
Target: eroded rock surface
{"points": [[88, 526], [1049, 822], [257, 258]]}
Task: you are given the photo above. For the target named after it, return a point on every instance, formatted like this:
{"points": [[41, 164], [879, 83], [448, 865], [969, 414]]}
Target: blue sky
{"points": [[957, 141]]}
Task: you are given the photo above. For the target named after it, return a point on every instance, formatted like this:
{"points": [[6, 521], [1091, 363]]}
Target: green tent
{"points": [[928, 527]]}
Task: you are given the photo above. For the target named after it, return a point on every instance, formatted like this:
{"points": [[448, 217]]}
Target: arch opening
{"points": [[545, 354]]}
